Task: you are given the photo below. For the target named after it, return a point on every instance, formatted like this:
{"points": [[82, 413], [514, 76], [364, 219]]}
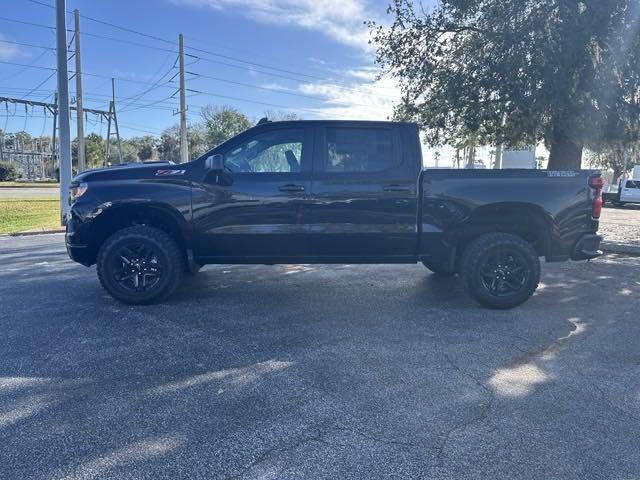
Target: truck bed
{"points": [[553, 208]]}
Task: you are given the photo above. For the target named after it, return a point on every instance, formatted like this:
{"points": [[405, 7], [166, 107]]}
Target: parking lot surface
{"points": [[332, 372], [621, 224]]}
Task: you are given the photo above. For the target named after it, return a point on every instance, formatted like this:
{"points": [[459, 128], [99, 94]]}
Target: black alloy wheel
{"points": [[504, 272], [135, 267], [140, 265], [500, 270]]}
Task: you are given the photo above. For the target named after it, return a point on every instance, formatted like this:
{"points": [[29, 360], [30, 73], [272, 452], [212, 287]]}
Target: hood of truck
{"points": [[131, 171]]}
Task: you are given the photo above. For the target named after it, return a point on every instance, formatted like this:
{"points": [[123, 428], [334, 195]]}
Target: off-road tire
{"points": [[477, 257], [167, 254]]}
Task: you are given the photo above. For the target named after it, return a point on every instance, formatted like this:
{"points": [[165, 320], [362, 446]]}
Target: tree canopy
{"points": [[516, 72], [222, 123]]}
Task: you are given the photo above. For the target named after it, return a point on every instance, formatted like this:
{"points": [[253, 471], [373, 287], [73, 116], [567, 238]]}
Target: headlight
{"points": [[77, 190]]}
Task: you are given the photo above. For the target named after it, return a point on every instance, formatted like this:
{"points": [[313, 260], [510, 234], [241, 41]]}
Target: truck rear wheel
{"points": [[139, 265], [500, 270]]}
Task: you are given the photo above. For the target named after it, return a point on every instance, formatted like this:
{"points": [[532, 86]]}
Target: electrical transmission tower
{"points": [[110, 116]]}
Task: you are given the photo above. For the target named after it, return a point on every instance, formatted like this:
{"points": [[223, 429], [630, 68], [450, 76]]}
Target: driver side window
{"points": [[277, 151]]}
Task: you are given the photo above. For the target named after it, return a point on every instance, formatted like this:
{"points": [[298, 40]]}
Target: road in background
{"points": [[29, 192], [316, 372]]}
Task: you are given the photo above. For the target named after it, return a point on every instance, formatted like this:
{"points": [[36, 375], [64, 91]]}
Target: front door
{"points": [[255, 209]]}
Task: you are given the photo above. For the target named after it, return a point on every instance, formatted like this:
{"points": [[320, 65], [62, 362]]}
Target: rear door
{"points": [[256, 208], [363, 201]]}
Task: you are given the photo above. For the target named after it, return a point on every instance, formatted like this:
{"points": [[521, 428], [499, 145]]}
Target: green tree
{"points": [[94, 150], [144, 147], [281, 115], [8, 172], [169, 143], [94, 145], [222, 123], [618, 158], [566, 72]]}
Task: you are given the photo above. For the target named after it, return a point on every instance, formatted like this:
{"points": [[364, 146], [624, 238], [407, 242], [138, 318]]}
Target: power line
{"points": [[97, 75], [209, 52], [19, 72], [153, 87], [331, 82], [99, 97], [148, 105], [22, 44], [174, 43], [268, 89], [257, 102], [40, 84], [24, 22]]}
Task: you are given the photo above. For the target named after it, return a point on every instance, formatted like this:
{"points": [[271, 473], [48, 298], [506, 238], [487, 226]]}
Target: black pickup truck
{"points": [[329, 192]]}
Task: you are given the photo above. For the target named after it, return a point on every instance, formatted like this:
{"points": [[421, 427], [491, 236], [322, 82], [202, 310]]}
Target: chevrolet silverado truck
{"points": [[329, 192]]}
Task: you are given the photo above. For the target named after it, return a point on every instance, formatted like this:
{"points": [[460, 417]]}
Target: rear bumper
{"points": [[588, 247]]}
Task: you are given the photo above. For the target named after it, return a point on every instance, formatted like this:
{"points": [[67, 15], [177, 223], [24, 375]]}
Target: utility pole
{"points": [[112, 118], [184, 146], [63, 109], [82, 165], [115, 119], [55, 157]]}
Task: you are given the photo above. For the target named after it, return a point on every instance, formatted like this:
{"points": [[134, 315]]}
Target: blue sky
{"points": [[314, 50]]}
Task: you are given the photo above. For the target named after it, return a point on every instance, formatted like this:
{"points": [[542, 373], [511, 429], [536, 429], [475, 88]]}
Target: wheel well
{"points": [[524, 221], [117, 218]]}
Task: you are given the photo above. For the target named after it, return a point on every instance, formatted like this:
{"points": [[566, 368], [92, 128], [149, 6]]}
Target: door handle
{"points": [[397, 188], [291, 188]]}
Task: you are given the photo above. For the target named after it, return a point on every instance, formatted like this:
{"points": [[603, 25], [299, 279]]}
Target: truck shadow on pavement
{"points": [[319, 372]]}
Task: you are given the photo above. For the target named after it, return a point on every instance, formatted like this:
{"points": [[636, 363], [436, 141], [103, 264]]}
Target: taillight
{"points": [[597, 183]]}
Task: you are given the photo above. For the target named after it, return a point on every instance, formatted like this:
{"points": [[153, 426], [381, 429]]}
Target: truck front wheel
{"points": [[139, 265], [500, 270]]}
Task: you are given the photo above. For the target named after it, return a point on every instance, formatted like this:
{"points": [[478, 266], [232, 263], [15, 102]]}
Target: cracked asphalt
{"points": [[321, 372]]}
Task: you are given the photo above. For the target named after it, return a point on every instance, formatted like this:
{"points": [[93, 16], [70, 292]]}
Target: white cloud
{"points": [[7, 50], [364, 101], [341, 20]]}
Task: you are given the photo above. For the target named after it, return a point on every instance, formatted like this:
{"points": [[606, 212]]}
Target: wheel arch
{"points": [[525, 220], [111, 218]]}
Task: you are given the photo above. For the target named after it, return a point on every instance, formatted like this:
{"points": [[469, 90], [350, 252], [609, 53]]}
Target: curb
{"points": [[29, 234], [620, 248]]}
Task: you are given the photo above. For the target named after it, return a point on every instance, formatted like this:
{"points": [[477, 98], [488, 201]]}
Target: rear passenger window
{"points": [[359, 150]]}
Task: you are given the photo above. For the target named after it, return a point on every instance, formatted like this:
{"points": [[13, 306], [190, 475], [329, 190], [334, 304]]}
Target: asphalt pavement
{"points": [[621, 225], [320, 372]]}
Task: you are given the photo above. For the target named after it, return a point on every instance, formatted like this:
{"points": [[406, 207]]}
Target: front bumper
{"points": [[588, 247], [77, 250]]}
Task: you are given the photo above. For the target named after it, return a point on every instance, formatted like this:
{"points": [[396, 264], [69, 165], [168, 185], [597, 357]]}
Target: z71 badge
{"points": [[162, 173]]}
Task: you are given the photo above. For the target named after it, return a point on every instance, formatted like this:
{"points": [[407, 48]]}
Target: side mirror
{"points": [[215, 162]]}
